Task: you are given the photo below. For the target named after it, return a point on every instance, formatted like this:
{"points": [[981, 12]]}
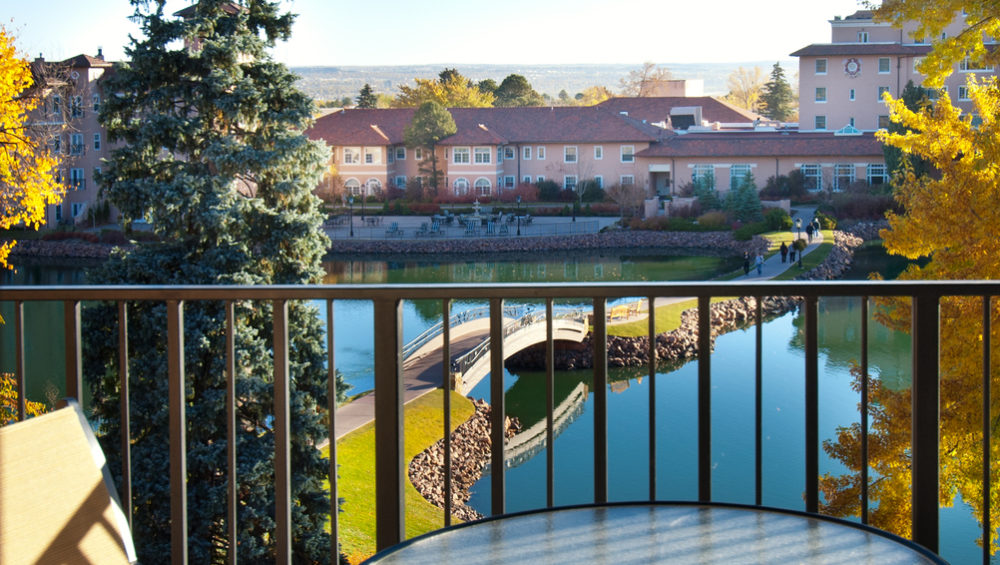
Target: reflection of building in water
{"points": [[354, 272], [619, 386]]}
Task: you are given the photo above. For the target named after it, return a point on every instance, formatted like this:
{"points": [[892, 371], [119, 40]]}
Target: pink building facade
{"points": [[841, 82]]}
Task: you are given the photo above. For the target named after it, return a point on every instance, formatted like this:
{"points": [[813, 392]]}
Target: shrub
{"points": [[826, 222], [548, 191], [791, 186], [862, 206], [113, 237], [777, 219], [746, 232], [64, 235], [590, 191], [714, 219]]}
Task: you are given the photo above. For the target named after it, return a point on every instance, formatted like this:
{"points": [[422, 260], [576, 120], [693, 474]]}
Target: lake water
{"points": [[732, 386]]}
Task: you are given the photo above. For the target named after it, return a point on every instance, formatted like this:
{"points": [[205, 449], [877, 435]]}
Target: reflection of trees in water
{"points": [[961, 457]]}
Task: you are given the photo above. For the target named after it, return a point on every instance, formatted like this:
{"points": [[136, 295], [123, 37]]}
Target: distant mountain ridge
{"points": [[334, 83]]}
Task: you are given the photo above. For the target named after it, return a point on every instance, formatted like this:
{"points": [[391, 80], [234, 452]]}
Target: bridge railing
{"points": [[459, 318], [474, 355], [926, 298]]}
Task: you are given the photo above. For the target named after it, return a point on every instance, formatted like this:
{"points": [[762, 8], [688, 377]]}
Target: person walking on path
{"points": [[784, 251], [809, 231], [759, 261], [746, 263], [791, 254]]}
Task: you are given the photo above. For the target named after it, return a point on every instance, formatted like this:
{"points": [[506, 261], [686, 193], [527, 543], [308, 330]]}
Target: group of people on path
{"points": [[787, 252]]}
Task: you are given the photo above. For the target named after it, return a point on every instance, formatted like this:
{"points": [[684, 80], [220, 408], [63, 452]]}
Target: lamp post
{"points": [[518, 214], [798, 226], [350, 201], [575, 196], [364, 196]]}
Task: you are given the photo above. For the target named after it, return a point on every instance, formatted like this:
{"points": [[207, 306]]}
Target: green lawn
{"points": [[356, 483]]}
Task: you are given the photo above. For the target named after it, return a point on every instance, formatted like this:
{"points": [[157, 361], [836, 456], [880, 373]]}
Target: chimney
{"points": [[100, 54]]}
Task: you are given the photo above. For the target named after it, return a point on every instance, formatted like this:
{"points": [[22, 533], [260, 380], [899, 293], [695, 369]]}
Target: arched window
{"points": [[461, 186], [352, 187], [373, 186], [482, 186]]}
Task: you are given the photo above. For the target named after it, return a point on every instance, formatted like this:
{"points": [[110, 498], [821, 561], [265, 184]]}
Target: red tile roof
{"points": [[765, 144], [487, 126], [861, 49], [657, 109]]}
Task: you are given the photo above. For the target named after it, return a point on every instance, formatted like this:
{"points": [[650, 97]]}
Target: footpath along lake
{"points": [[732, 449]]}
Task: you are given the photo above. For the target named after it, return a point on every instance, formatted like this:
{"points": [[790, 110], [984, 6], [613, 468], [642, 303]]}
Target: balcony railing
{"points": [[388, 362]]}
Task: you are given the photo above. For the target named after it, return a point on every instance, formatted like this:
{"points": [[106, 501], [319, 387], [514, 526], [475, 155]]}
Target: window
{"points": [[843, 176], [850, 95], [884, 65], [821, 66], [373, 186], [541, 153], [482, 155], [737, 173], [460, 155], [400, 181], [882, 90], [703, 174], [851, 121], [461, 186], [76, 208], [56, 104], [526, 179], [76, 144], [883, 121], [352, 187], [569, 154], [508, 181], [58, 212], [968, 66], [373, 156], [76, 107], [97, 142], [821, 94], [352, 155], [813, 177], [963, 93], [876, 174], [76, 179], [418, 153], [508, 152], [916, 63], [391, 155], [626, 180], [627, 153], [598, 152], [569, 182], [57, 144], [820, 122], [482, 187], [862, 37], [540, 178], [96, 102], [526, 153], [400, 153], [599, 180]]}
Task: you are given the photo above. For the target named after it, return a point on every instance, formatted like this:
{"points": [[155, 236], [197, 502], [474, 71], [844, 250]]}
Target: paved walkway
{"points": [[409, 225]]}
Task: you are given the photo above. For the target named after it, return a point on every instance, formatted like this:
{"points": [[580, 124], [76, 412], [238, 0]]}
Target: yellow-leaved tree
{"points": [[451, 90], [27, 169], [951, 218]]}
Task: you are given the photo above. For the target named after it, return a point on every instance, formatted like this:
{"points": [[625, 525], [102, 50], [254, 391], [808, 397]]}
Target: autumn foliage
{"points": [[27, 170]]}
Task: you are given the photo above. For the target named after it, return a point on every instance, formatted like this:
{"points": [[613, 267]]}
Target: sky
{"points": [[408, 32]]}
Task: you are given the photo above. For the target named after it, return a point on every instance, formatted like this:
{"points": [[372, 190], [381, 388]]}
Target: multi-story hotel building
{"points": [[841, 83], [68, 119]]}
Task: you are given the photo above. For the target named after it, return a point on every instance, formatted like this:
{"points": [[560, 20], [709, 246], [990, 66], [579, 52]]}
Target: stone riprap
{"points": [[63, 248], [470, 453]]}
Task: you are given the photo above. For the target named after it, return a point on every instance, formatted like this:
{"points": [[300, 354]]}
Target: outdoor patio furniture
{"points": [[435, 229], [423, 230], [59, 503], [393, 230]]}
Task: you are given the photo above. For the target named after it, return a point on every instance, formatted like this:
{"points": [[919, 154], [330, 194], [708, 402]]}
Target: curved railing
{"points": [[456, 319], [466, 361]]}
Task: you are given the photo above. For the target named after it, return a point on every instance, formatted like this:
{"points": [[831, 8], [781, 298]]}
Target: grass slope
{"points": [[424, 420]]}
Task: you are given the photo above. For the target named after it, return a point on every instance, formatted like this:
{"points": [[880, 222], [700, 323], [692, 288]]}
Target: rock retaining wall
{"points": [[470, 454], [62, 248]]}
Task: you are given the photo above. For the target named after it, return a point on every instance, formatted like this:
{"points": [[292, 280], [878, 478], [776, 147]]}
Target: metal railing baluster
{"points": [[125, 424], [22, 391], [600, 341], [74, 371], [810, 312], [446, 386], [987, 427], [331, 392], [651, 320], [498, 476], [758, 403], [231, 495], [282, 437], [926, 420], [704, 399], [389, 472], [550, 395], [177, 400], [864, 410]]}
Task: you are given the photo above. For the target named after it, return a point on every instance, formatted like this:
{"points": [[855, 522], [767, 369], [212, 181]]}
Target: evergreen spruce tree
{"points": [[366, 98], [778, 97], [213, 155]]}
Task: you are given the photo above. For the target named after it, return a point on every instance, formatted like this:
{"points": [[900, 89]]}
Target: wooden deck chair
{"points": [[58, 503]]}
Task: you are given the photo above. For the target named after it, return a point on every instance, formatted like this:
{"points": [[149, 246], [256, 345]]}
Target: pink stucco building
{"points": [[841, 82]]}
